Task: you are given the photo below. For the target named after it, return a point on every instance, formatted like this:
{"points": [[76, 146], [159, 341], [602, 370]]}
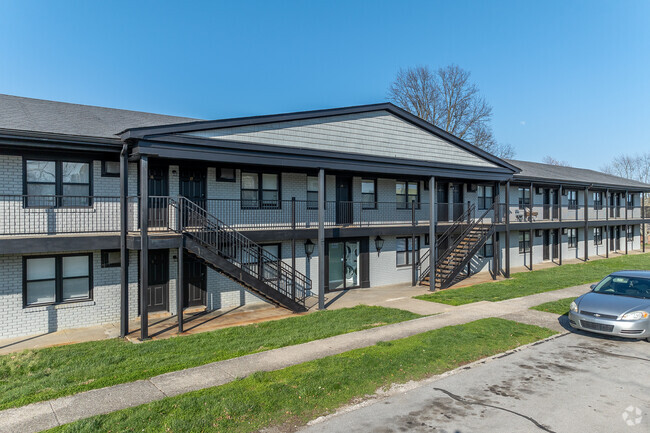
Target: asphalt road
{"points": [[573, 383]]}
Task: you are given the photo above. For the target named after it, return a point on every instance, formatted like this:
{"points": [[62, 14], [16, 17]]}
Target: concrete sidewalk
{"points": [[48, 414]]}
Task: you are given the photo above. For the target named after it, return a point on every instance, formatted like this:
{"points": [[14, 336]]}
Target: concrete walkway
{"points": [[44, 415]]}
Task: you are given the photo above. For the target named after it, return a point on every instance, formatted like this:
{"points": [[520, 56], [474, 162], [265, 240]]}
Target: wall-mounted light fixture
{"points": [[379, 244], [309, 248]]}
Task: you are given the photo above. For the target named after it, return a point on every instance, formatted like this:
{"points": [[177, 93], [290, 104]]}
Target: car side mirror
{"points": [[592, 287]]}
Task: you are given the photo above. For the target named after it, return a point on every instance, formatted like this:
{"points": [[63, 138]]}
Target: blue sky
{"points": [[566, 78]]}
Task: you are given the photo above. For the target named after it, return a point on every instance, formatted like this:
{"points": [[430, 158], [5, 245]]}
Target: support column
{"points": [[293, 248], [559, 204], [507, 240], [124, 251], [560, 235], [586, 210], [180, 282], [414, 265], [495, 251], [532, 243], [321, 239], [433, 219], [643, 235], [144, 246]]}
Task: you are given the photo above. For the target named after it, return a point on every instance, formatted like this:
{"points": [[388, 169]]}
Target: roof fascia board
{"points": [[526, 181]]}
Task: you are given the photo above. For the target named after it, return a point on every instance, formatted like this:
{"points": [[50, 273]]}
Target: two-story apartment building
{"points": [[107, 215]]}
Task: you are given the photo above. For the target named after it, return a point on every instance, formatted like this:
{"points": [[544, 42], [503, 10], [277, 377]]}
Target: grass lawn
{"points": [[43, 374], [559, 307], [295, 395], [529, 283]]}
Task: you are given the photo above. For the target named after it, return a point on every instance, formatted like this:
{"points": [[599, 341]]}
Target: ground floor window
{"points": [[573, 238], [488, 248], [630, 233], [404, 251], [54, 279], [524, 242], [598, 235]]}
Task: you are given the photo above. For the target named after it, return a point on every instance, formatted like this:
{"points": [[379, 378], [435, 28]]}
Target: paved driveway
{"points": [[576, 382]]}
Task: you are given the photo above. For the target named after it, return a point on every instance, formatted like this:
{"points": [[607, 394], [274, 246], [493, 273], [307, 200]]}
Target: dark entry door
{"points": [[547, 204], [618, 238], [556, 243], [195, 281], [343, 200], [192, 186], [442, 198], [158, 292], [612, 244], [457, 196], [158, 192], [547, 244]]}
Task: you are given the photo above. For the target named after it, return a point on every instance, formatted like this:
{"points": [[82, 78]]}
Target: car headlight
{"points": [[573, 307], [635, 315]]}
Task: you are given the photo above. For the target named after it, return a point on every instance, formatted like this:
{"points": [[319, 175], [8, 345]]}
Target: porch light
{"points": [[379, 244], [309, 248]]}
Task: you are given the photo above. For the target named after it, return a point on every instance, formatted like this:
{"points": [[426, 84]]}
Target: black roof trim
{"points": [[46, 140], [139, 133]]}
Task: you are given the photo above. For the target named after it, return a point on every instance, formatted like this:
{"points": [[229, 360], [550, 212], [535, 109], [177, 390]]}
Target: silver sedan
{"points": [[619, 305]]}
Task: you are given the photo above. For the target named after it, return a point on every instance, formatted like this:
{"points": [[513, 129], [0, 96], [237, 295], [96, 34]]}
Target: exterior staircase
{"points": [[235, 256], [474, 233]]}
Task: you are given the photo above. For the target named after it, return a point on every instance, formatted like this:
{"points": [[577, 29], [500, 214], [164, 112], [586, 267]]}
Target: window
{"points": [[46, 179], [524, 242], [524, 197], [407, 192], [573, 238], [630, 200], [404, 251], [598, 200], [629, 232], [598, 235], [488, 248], [55, 279], [312, 192], [110, 168], [485, 196], [369, 193], [225, 174], [573, 198], [111, 259], [271, 260], [260, 190]]}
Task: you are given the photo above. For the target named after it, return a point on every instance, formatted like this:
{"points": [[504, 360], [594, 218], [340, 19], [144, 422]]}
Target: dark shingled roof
{"points": [[27, 114], [548, 172]]}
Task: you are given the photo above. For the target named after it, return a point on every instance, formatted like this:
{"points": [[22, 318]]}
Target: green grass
{"points": [[43, 374], [529, 283], [294, 395], [559, 307]]}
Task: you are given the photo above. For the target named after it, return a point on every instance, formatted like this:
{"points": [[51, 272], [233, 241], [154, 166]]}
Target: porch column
{"points": [[625, 237], [180, 282], [642, 196], [532, 243], [144, 246], [507, 240], [433, 218], [586, 193], [496, 252], [450, 201], [414, 265], [559, 204], [321, 239], [607, 219], [124, 252]]}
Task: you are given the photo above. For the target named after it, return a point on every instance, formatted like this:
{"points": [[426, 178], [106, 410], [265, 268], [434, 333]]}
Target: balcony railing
{"points": [[30, 215]]}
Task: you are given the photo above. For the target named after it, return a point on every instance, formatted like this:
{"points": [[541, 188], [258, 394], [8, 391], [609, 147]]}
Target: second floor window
{"points": [[312, 192], [630, 201], [524, 198], [369, 193], [406, 193], [524, 242], [598, 200], [572, 196], [260, 190], [573, 238], [485, 196], [598, 235], [45, 180]]}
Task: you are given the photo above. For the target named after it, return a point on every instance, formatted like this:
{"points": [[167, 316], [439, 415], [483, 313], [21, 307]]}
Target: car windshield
{"points": [[624, 286]]}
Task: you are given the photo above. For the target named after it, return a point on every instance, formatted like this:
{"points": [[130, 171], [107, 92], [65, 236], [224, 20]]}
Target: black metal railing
{"points": [[194, 221]]}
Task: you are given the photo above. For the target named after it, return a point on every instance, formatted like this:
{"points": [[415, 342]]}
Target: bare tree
{"points": [[553, 161], [448, 99], [636, 167]]}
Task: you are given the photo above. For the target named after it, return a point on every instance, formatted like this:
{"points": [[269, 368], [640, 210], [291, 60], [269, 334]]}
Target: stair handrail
{"points": [[246, 254], [463, 218], [477, 222]]}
